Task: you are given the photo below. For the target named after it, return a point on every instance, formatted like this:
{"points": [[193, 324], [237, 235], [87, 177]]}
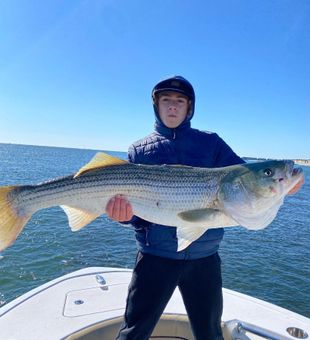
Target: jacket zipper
{"points": [[147, 243]]}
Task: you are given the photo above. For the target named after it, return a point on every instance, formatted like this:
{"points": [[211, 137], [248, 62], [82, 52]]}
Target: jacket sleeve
{"points": [[132, 154], [225, 155]]}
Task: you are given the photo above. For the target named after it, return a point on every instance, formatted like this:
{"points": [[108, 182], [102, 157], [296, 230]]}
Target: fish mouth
{"points": [[290, 175], [291, 170], [295, 174]]}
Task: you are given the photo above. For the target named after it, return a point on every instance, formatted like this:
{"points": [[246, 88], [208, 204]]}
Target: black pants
{"points": [[154, 281]]}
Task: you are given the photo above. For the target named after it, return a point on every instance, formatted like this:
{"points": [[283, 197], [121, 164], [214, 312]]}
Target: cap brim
{"points": [[171, 90]]}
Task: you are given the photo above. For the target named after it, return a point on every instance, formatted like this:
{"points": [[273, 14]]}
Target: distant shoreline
{"points": [[301, 162], [304, 162]]}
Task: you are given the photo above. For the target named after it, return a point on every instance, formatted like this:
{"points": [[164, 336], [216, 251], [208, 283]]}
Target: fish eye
{"points": [[268, 172]]}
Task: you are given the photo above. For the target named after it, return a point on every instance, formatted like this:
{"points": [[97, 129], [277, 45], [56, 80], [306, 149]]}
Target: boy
{"points": [[159, 267]]}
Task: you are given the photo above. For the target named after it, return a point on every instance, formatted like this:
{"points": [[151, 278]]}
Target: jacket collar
{"points": [[172, 133]]}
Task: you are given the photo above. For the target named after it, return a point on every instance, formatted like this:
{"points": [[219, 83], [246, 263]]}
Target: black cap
{"points": [[176, 84]]}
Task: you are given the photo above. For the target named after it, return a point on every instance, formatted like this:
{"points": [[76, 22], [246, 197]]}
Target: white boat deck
{"points": [[75, 301]]}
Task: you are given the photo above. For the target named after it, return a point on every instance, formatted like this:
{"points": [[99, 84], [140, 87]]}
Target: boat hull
{"points": [[90, 303]]}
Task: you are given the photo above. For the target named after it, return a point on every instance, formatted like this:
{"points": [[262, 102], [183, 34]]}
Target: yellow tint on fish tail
{"points": [[10, 223]]}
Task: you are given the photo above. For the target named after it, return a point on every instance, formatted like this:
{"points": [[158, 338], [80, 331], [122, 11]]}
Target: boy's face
{"points": [[172, 108]]}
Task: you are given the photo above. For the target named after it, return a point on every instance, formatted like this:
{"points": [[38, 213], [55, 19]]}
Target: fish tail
{"points": [[11, 224]]}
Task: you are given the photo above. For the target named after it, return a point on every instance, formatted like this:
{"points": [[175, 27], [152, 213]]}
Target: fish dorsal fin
{"points": [[100, 160], [78, 218]]}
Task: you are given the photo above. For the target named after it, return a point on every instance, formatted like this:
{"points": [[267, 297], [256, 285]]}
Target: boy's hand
{"points": [[119, 209]]}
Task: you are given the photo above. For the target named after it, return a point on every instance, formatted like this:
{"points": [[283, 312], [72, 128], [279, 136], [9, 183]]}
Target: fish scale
{"points": [[188, 198]]}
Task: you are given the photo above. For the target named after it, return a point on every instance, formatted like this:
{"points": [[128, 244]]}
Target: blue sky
{"points": [[79, 73]]}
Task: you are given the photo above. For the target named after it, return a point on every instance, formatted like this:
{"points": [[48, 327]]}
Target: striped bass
{"points": [[191, 199]]}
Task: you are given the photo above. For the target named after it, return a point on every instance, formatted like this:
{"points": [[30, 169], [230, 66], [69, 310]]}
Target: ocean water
{"points": [[271, 264]]}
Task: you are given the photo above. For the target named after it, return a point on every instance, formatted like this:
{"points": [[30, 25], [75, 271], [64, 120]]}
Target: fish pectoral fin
{"points": [[199, 215], [78, 218], [187, 235], [100, 160]]}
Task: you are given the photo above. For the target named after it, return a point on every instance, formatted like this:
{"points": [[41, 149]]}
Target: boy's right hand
{"points": [[119, 209]]}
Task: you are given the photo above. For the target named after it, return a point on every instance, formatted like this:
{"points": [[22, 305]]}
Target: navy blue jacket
{"points": [[187, 146]]}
